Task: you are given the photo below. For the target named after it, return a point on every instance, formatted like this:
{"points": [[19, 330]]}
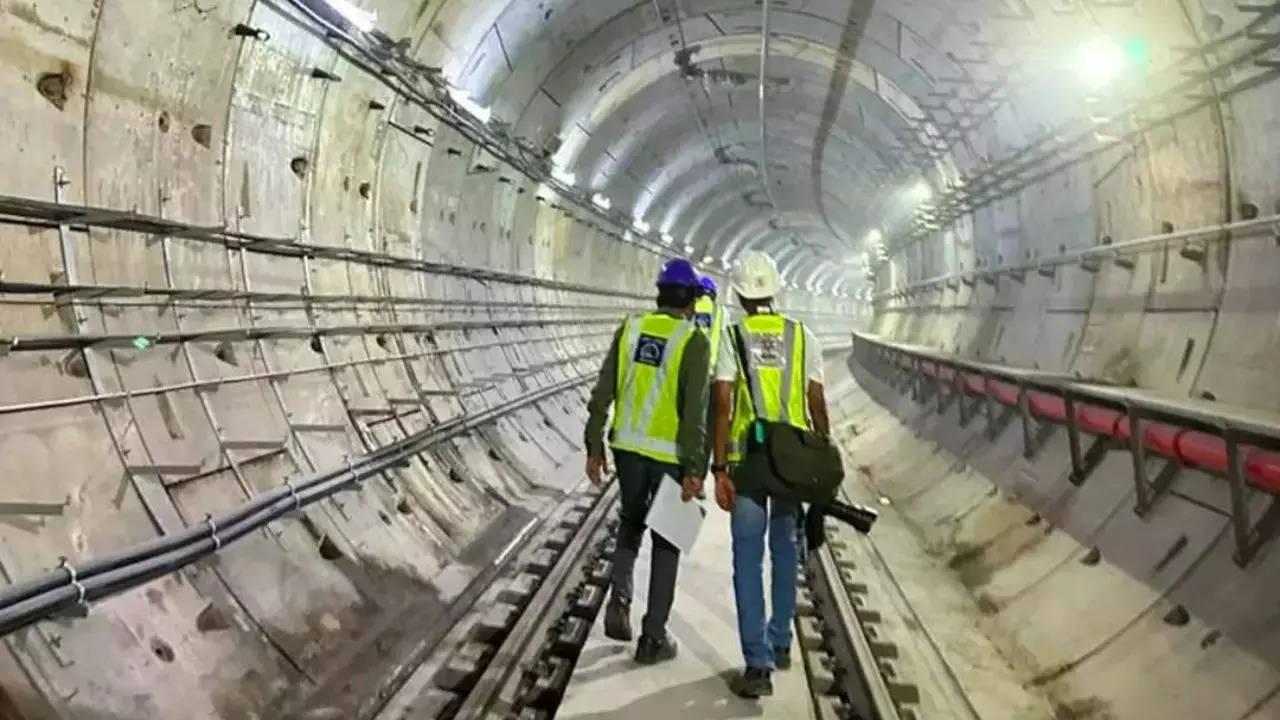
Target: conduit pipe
{"points": [[71, 587]]}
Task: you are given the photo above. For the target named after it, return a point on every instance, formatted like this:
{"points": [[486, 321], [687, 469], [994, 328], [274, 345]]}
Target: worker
{"points": [[709, 316], [783, 377], [656, 379]]}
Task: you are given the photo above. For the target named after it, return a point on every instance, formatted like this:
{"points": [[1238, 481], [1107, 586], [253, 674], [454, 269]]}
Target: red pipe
{"points": [[1047, 406], [1184, 445], [1004, 393], [975, 385]]}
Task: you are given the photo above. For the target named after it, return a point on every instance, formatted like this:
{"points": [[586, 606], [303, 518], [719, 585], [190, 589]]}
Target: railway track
{"points": [[866, 652], [513, 654]]}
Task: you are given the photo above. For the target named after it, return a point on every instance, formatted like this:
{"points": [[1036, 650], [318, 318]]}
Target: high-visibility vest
{"points": [[710, 318], [646, 418], [775, 380]]}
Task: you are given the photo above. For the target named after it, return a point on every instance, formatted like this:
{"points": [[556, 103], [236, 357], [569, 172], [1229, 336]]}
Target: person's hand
{"points": [[692, 487], [596, 468], [726, 493]]}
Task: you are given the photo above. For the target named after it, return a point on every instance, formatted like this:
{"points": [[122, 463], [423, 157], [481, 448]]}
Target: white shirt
{"points": [[727, 361]]}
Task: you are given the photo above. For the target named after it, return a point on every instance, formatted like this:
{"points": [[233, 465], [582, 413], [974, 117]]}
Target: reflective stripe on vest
{"points": [[717, 332], [709, 316], [645, 415], [775, 381]]}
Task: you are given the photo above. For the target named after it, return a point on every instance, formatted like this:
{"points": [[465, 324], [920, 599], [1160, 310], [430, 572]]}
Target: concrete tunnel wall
{"points": [[1109, 639], [163, 110]]}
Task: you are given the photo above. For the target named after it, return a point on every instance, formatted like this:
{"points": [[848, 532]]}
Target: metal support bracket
{"points": [[1159, 487], [1249, 537], [1028, 423], [1141, 488]]}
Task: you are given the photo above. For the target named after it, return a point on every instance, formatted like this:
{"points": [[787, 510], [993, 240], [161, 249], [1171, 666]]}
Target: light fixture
{"points": [[667, 239], [1099, 62], [921, 191], [363, 20], [642, 226], [873, 237], [688, 248], [563, 176], [707, 260], [601, 201]]}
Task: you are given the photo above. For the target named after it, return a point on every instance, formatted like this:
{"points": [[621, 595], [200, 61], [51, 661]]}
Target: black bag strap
{"points": [[741, 347]]}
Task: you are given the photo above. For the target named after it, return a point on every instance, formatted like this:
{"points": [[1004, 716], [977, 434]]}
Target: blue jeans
{"points": [[749, 523]]}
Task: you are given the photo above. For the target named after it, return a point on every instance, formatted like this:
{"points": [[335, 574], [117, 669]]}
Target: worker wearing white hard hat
{"points": [[771, 371]]}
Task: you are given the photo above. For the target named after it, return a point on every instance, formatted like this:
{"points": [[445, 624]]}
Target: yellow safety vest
{"points": [[775, 381], [710, 318], [646, 416]]}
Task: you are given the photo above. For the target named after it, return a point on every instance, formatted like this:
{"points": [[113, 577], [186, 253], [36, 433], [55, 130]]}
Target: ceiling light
{"points": [[873, 237], [363, 20], [563, 176], [642, 226], [667, 239], [601, 201], [1099, 62], [707, 259], [921, 191], [688, 249]]}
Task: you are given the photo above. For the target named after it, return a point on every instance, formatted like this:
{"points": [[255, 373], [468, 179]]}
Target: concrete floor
{"points": [[609, 684]]}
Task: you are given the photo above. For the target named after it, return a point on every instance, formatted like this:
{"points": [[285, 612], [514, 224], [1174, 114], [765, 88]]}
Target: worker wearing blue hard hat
{"points": [[709, 315], [656, 378]]}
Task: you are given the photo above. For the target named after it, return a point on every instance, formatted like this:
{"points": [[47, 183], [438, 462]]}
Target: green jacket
{"points": [[694, 389]]}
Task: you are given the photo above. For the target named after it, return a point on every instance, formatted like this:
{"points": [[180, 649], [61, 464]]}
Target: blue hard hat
{"points": [[678, 272], [708, 285]]}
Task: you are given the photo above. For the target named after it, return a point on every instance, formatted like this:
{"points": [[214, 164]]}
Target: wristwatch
{"points": [[719, 468]]}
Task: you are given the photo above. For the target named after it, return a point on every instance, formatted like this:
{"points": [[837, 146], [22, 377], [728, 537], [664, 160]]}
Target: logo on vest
{"points": [[766, 351], [703, 320], [650, 350]]}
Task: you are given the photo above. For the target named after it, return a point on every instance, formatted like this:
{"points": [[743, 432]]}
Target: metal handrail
{"points": [[1210, 414], [1233, 442]]}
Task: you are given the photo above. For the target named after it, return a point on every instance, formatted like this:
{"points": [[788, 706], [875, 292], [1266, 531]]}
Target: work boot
{"points": [[753, 683], [652, 650], [782, 658], [617, 622]]}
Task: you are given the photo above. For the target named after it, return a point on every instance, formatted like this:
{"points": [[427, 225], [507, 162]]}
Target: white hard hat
{"points": [[755, 277]]}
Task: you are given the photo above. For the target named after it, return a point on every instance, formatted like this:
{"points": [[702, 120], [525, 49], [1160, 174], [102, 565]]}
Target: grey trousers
{"points": [[638, 479]]}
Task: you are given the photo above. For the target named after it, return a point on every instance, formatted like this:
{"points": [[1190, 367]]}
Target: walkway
{"points": [[609, 685]]}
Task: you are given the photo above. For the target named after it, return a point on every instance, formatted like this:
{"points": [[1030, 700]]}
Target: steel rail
{"points": [[1216, 233], [87, 291], [534, 622], [28, 343], [83, 218], [865, 688], [68, 589], [214, 383]]}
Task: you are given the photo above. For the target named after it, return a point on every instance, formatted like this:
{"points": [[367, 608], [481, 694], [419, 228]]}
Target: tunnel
{"points": [[301, 303]]}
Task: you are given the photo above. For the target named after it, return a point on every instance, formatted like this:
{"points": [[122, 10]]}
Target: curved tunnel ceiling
{"points": [[617, 97]]}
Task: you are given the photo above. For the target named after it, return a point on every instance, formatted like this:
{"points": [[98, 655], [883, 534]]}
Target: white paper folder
{"points": [[674, 519]]}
